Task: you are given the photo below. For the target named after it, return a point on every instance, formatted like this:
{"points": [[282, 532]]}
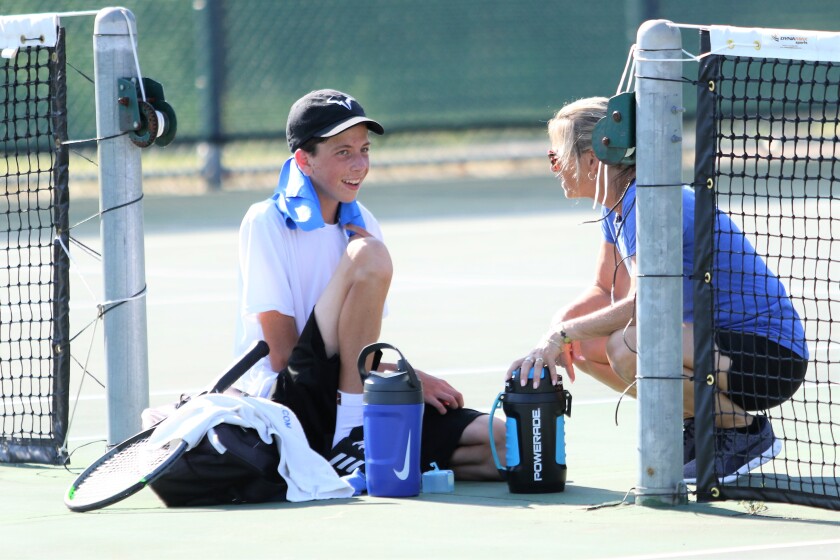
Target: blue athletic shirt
{"points": [[749, 298]]}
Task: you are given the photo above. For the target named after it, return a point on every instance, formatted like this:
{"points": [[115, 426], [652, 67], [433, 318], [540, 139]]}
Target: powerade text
{"points": [[536, 430]]}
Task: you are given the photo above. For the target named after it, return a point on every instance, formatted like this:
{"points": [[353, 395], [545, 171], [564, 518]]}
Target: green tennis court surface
{"points": [[480, 268]]}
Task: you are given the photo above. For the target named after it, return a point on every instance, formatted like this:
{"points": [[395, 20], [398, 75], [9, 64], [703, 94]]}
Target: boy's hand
{"points": [[361, 232], [439, 393]]}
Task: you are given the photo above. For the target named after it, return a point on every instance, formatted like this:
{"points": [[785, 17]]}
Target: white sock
{"points": [[348, 414]]}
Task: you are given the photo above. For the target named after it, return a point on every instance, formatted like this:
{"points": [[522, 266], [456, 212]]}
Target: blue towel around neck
{"points": [[297, 201]]}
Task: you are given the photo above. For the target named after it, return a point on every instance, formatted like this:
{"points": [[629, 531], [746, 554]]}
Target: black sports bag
{"points": [[245, 474]]}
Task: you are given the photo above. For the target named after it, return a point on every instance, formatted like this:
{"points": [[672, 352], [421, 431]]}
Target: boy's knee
{"points": [[371, 259]]}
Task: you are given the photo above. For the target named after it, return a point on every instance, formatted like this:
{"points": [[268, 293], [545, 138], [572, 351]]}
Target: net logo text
{"points": [[790, 39]]}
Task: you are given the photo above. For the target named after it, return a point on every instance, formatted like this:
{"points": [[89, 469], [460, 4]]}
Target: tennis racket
{"points": [[131, 465]]}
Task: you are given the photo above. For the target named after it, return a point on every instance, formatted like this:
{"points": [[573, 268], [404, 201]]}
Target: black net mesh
{"points": [[774, 140], [33, 289]]}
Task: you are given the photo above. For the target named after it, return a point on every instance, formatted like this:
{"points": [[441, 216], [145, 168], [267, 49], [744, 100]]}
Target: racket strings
{"points": [[120, 472]]}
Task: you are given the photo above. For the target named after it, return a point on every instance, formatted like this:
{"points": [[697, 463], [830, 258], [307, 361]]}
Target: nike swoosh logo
{"points": [[403, 473]]}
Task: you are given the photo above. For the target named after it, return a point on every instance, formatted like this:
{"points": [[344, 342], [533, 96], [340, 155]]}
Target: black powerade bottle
{"points": [[534, 434]]}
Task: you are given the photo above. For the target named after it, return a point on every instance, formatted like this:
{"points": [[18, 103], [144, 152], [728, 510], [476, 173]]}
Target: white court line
{"points": [[496, 280], [727, 551], [401, 284], [154, 301], [173, 394], [184, 273], [442, 373], [176, 394]]}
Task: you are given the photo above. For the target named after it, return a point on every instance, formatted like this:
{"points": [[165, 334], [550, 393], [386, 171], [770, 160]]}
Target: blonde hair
{"points": [[570, 132]]}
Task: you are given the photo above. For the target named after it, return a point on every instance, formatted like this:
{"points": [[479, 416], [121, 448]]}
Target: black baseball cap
{"points": [[324, 113]]}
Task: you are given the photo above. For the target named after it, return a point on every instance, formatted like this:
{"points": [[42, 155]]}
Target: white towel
{"points": [[308, 475]]}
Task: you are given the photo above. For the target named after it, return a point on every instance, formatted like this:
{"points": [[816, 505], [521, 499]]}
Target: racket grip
{"points": [[257, 351]]}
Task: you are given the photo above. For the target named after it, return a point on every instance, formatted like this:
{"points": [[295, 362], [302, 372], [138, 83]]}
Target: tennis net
{"points": [[767, 153], [34, 285]]}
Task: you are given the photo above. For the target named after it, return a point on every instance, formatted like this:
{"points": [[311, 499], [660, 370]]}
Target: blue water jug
{"points": [[535, 434], [392, 420]]}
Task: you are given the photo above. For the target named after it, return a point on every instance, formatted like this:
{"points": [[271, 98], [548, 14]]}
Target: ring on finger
{"points": [[527, 359], [539, 360]]}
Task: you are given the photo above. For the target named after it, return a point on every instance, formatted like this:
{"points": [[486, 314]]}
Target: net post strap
{"points": [[704, 401]]}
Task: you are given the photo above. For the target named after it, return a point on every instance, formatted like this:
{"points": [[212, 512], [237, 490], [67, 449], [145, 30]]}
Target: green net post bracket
{"points": [[149, 121], [614, 136]]}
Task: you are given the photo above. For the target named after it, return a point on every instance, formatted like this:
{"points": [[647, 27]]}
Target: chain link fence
{"points": [[449, 79]]}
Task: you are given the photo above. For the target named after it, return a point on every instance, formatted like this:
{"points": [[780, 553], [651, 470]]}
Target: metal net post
{"points": [[126, 351], [659, 263]]}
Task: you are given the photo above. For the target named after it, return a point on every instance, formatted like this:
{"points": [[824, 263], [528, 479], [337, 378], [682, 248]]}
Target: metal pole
{"points": [[210, 83], [659, 263], [120, 183]]}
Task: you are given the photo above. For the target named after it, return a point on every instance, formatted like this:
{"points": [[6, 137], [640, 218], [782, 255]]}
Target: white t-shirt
{"points": [[284, 270]]}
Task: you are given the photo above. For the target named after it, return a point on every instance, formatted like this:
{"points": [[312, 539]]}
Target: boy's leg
{"points": [[349, 312], [459, 440], [314, 374], [472, 459]]}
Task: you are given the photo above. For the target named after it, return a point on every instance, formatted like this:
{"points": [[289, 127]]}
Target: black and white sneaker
{"points": [[349, 453]]}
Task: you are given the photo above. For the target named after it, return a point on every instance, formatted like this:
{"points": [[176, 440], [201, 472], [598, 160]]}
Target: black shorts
{"points": [[763, 373], [308, 385]]}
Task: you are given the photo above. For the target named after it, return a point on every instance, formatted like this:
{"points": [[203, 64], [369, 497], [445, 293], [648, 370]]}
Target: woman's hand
{"points": [[568, 355], [547, 354], [544, 354]]}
